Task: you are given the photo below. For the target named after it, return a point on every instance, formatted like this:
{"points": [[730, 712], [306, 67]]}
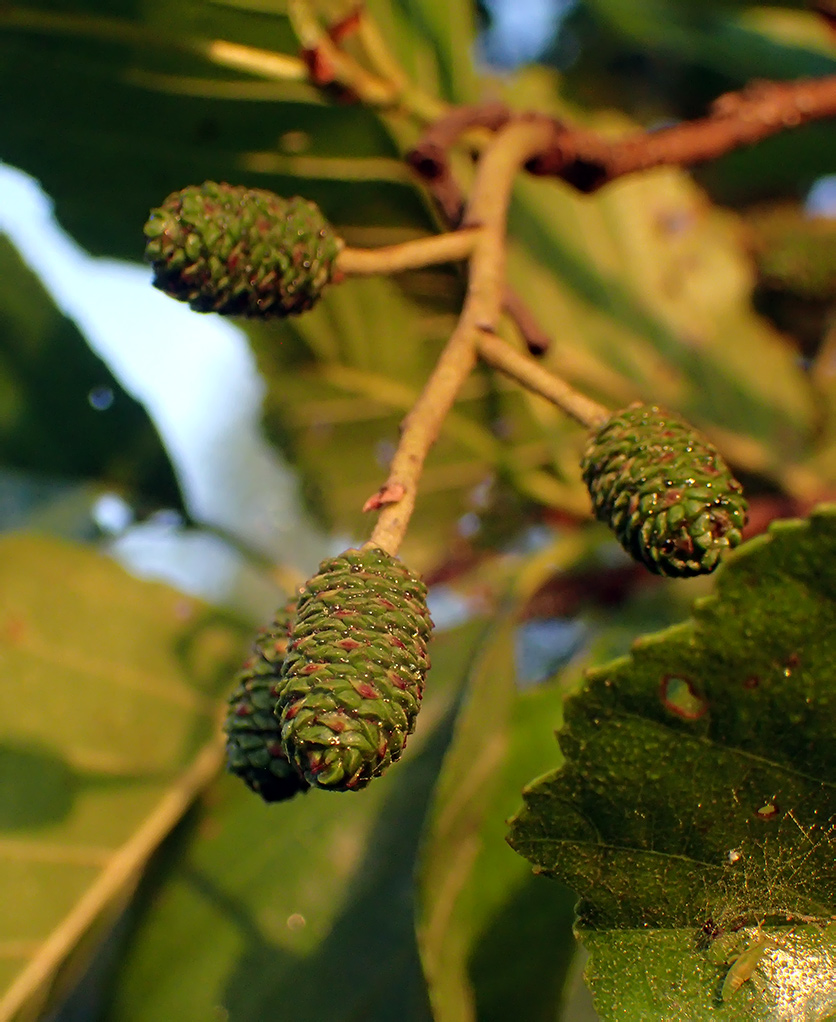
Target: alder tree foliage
{"points": [[549, 347]]}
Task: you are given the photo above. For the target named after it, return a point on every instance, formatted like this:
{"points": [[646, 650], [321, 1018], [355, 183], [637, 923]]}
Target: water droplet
{"points": [[734, 855], [101, 398], [681, 697], [296, 922]]}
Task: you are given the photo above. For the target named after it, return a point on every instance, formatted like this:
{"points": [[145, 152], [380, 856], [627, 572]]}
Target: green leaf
{"points": [[646, 287], [309, 903], [484, 931], [62, 413], [106, 700], [697, 795], [192, 119], [487, 928], [716, 39]]}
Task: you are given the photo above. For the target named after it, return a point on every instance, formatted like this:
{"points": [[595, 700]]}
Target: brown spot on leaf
{"points": [[681, 697]]}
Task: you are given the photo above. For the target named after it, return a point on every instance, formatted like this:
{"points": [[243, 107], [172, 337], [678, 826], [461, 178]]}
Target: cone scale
{"points": [[664, 490]]}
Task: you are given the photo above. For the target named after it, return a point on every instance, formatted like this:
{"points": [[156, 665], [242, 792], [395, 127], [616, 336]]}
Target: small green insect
{"points": [[743, 966]]}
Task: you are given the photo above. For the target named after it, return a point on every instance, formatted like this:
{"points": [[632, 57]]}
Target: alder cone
{"points": [[240, 251], [664, 490], [354, 673], [253, 735]]}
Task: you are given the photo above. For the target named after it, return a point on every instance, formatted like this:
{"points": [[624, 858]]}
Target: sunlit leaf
{"points": [[107, 697], [696, 800]]}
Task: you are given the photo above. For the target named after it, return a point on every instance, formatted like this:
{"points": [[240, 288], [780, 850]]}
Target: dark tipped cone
{"points": [[253, 735]]}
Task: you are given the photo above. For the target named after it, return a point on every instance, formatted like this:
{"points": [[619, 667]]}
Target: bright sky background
{"points": [[196, 376]]}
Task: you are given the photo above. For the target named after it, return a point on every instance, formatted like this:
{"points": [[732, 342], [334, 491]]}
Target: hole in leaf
{"points": [[681, 697]]}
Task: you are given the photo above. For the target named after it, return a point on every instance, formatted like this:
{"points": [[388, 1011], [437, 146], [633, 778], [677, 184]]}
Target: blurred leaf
{"points": [[110, 117], [62, 413], [468, 877], [108, 696], [704, 33], [341, 379], [484, 933], [823, 376], [696, 796], [60, 507], [487, 928], [648, 289], [447, 32], [309, 902], [667, 59]]}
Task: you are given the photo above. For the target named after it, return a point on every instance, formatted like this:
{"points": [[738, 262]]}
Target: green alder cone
{"points": [[354, 673], [664, 490], [240, 251], [253, 736]]}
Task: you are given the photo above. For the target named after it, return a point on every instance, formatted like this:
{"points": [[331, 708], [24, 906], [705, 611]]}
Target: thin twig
{"points": [[411, 98], [117, 878], [536, 339], [536, 378], [409, 255], [429, 157], [449, 201], [328, 63], [482, 307], [737, 119]]}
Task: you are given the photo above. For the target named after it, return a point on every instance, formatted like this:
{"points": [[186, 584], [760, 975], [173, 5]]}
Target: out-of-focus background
{"points": [[218, 462]]}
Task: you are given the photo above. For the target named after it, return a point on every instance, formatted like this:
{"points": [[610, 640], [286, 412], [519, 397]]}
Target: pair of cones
{"points": [[333, 687]]}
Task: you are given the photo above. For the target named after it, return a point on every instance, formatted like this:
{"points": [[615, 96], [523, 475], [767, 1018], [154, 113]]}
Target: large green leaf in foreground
{"points": [[107, 693], [698, 798]]}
